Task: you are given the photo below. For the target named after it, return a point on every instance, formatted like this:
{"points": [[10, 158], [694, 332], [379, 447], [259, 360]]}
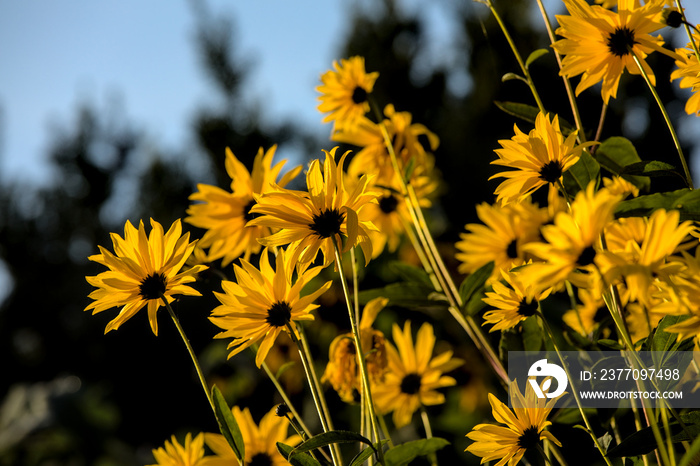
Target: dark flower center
{"points": [[586, 257], [388, 203], [527, 309], [279, 314], [282, 410], [529, 439], [551, 171], [512, 250], [621, 41], [410, 384], [359, 95], [674, 19], [327, 223], [260, 459], [247, 214], [153, 286]]}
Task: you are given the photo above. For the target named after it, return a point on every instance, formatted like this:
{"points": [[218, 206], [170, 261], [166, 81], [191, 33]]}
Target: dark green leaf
{"points": [[612, 344], [650, 168], [403, 454], [643, 441], [686, 201], [411, 273], [692, 456], [534, 56], [407, 295], [301, 459], [615, 153], [327, 438], [581, 173], [227, 423], [475, 282], [529, 113], [512, 76], [362, 456]]}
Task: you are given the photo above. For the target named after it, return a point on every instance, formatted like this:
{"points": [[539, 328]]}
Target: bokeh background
{"points": [[115, 111]]}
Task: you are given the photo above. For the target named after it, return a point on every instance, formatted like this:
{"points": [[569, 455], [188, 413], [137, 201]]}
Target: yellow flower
{"points": [[573, 241], [345, 91], [599, 43], [506, 230], [513, 303], [313, 221], [260, 441], [413, 375], [689, 73], [191, 454], [142, 271], [374, 156], [524, 428], [342, 371], [224, 214], [537, 158], [263, 302]]}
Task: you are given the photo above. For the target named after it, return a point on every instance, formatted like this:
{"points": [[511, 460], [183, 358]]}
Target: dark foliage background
{"points": [[71, 395]]}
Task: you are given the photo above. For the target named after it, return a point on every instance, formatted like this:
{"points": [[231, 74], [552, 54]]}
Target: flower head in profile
{"points": [[329, 214], [342, 370], [536, 159], [225, 214], [142, 270], [260, 440], [189, 454], [345, 91], [599, 44], [524, 428], [414, 375], [512, 301], [263, 302], [689, 73]]}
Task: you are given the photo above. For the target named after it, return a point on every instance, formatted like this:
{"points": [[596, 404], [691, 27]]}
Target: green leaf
{"points": [[227, 423], [581, 173], [616, 153], [651, 168], [643, 441], [612, 344], [406, 295], [512, 76], [526, 336], [529, 113], [327, 438], [403, 454], [475, 282], [692, 456], [362, 456], [301, 459], [411, 273], [534, 56], [686, 201]]}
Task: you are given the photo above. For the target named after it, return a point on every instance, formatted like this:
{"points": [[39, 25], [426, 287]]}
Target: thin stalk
{"points": [[549, 332], [567, 84], [599, 131], [358, 345], [286, 399], [385, 430], [421, 255], [428, 433], [195, 361], [687, 25], [315, 390], [521, 63], [544, 455], [667, 119]]}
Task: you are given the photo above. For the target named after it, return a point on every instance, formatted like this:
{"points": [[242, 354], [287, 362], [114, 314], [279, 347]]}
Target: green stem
{"points": [[286, 399], [316, 392], [667, 119], [195, 361], [567, 84], [358, 345], [589, 428], [544, 455], [428, 433], [523, 68]]}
